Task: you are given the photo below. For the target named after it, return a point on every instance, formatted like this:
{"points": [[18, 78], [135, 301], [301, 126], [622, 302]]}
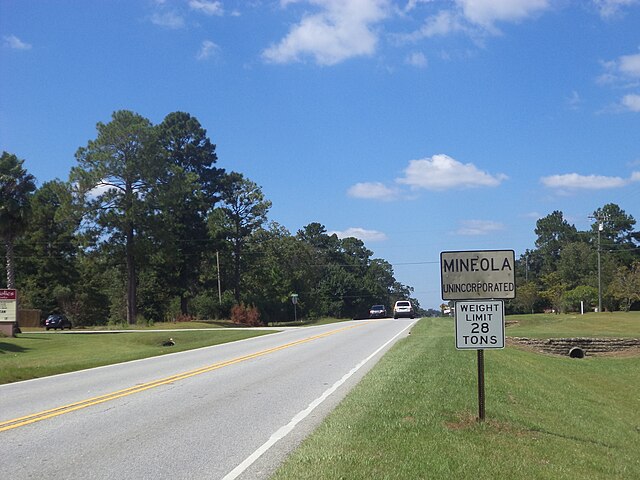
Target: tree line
{"points": [[148, 228], [570, 270]]}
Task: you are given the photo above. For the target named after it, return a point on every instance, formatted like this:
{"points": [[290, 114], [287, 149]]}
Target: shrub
{"points": [[244, 315], [183, 317], [206, 305], [141, 321], [582, 293]]}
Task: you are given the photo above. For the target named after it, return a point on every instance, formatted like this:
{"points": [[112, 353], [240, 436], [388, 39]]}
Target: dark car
{"points": [[57, 321], [378, 311]]}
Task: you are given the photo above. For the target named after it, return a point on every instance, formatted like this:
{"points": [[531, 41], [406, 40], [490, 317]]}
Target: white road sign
{"points": [[479, 324], [476, 275]]}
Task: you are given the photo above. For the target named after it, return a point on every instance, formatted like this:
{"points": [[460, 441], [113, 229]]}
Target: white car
{"points": [[403, 308]]}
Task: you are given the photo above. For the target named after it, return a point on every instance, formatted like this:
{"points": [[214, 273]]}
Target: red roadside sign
{"points": [[7, 294]]}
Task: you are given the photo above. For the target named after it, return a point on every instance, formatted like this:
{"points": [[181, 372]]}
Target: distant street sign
{"points": [[294, 300], [477, 275], [479, 324]]}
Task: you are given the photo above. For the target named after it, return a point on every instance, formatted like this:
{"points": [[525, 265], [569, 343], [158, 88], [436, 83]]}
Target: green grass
{"points": [[38, 355], [198, 325], [616, 324], [153, 326], [414, 415], [32, 355]]}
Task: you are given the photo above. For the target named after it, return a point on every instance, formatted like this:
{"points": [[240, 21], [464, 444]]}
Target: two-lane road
{"points": [[228, 411]]}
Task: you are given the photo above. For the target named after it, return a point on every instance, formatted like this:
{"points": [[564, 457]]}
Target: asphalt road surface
{"points": [[224, 412]]}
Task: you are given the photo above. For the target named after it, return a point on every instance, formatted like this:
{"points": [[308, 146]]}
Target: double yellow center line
{"points": [[54, 412]]}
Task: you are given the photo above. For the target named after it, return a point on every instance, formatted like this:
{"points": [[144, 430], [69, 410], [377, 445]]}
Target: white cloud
{"points": [[611, 8], [478, 227], [574, 100], [475, 17], [361, 233], [443, 23], [442, 172], [624, 69], [574, 181], [622, 72], [417, 59], [630, 65], [631, 102], [207, 50], [100, 189], [342, 30], [372, 191], [608, 77], [412, 4], [170, 20], [488, 12], [207, 7], [15, 43]]}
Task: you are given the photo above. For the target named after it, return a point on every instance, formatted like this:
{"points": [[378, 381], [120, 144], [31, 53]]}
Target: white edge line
{"points": [[286, 429]]}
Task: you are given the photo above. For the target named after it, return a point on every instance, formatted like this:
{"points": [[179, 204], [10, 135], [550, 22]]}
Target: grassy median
{"points": [[33, 355], [547, 417]]}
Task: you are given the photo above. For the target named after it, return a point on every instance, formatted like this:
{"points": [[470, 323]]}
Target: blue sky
{"points": [[419, 126]]}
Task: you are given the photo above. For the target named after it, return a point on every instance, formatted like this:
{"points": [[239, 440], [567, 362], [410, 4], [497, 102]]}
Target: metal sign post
{"points": [[481, 385], [478, 281], [479, 325], [294, 300]]}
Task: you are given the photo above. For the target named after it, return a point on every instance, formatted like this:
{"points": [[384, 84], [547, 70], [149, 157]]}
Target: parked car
{"points": [[57, 321], [403, 308], [378, 311]]}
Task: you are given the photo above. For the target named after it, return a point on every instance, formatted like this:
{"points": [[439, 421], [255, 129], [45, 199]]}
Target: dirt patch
{"points": [[467, 419], [463, 420], [410, 419]]}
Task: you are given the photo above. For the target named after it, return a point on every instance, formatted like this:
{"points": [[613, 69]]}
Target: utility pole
{"points": [[600, 227], [600, 219], [219, 287]]}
